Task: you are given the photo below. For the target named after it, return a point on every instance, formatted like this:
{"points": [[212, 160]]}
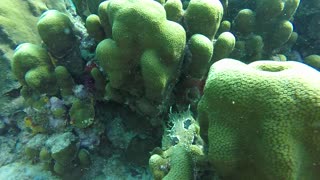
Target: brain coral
{"points": [[262, 120]]}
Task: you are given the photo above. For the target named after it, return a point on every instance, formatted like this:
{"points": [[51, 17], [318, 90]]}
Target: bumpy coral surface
{"points": [[141, 36], [183, 146], [261, 120]]}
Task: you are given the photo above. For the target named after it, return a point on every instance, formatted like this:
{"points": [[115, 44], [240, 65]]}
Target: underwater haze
{"points": [[159, 89]]}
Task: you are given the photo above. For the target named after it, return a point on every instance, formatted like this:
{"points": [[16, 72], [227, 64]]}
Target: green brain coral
{"points": [[262, 120]]}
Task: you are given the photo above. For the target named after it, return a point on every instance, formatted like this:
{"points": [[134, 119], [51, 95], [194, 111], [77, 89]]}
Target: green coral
{"points": [[270, 19], [254, 47], [143, 52], [181, 164], [64, 81], [281, 34], [40, 79], [141, 37], [313, 60], [201, 50], [94, 27], [84, 158], [174, 10], [203, 17], [33, 147], [58, 153], [104, 19], [18, 19], [159, 166], [269, 10], [223, 46], [225, 26], [82, 113], [261, 120], [99, 82], [245, 21], [32, 66], [45, 158], [55, 29], [63, 150]]}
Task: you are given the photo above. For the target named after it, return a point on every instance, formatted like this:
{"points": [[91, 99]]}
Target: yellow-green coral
{"points": [[32, 66], [201, 50], [313, 60], [94, 27], [174, 10], [223, 46], [261, 121], [270, 20], [56, 31], [203, 17], [145, 50]]}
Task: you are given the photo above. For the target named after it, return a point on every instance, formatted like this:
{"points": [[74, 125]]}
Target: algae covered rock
{"points": [[183, 147], [33, 147], [261, 120], [82, 113], [63, 149], [20, 170]]}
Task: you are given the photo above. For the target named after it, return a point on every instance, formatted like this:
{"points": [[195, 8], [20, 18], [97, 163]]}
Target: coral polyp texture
{"points": [[145, 48], [143, 52], [123, 77], [270, 21], [261, 120]]}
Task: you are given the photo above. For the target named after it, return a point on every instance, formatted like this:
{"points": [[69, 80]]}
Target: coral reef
{"points": [[265, 30], [142, 59], [17, 25], [261, 120], [104, 87], [143, 53]]}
